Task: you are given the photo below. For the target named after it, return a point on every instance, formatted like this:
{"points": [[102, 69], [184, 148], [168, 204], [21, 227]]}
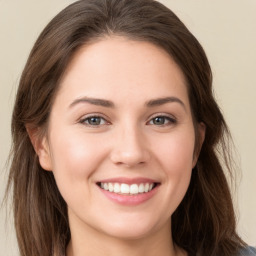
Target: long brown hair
{"points": [[204, 222]]}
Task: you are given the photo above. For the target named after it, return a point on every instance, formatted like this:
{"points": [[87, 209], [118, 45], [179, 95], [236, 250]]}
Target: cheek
{"points": [[75, 158], [75, 155], [175, 155], [176, 152]]}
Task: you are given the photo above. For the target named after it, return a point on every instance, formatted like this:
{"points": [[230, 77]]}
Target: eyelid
{"points": [[98, 115], [170, 117]]}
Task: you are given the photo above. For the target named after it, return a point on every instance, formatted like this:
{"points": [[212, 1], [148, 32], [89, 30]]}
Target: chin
{"points": [[131, 230]]}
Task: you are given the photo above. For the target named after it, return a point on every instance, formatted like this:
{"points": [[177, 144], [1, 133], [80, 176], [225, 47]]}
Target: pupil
{"points": [[159, 120], [94, 120]]}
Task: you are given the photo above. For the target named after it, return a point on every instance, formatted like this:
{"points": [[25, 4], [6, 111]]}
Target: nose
{"points": [[129, 148]]}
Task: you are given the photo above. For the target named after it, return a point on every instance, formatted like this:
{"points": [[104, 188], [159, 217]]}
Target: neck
{"points": [[88, 241]]}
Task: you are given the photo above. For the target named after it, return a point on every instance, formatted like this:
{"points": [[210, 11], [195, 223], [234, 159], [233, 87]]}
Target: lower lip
{"points": [[129, 199]]}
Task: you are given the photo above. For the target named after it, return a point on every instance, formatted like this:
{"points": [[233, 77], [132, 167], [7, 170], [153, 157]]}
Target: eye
{"points": [[94, 121], [162, 121]]}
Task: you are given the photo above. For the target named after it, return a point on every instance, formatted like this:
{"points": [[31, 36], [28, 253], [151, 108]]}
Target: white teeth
{"points": [[105, 186], [110, 187], [123, 188], [116, 188], [134, 189], [141, 188]]}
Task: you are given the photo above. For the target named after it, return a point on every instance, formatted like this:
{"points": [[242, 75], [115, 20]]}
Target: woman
{"points": [[117, 139]]}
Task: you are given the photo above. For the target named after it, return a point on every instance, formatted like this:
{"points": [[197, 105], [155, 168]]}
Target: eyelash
{"points": [[167, 120], [86, 121]]}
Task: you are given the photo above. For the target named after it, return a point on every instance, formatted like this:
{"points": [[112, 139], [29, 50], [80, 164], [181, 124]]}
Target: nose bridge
{"points": [[129, 146]]}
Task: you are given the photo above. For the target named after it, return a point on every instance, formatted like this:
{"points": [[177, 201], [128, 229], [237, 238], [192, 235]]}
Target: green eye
{"points": [[162, 120], [93, 121]]}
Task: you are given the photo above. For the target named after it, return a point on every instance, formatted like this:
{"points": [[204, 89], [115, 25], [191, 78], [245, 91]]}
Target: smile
{"points": [[126, 189], [129, 191]]}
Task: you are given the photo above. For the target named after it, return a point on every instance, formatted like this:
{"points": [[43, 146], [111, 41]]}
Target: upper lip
{"points": [[128, 181]]}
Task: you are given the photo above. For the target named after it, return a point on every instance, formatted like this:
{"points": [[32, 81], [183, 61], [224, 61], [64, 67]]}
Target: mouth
{"points": [[128, 189]]}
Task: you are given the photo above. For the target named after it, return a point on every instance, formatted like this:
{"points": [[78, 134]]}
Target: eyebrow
{"points": [[93, 101], [110, 104], [162, 101]]}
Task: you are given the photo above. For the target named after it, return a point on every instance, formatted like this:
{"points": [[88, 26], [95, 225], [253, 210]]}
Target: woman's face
{"points": [[121, 138]]}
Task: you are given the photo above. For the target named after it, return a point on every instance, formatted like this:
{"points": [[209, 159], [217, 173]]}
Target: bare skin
{"points": [[153, 245], [122, 114]]}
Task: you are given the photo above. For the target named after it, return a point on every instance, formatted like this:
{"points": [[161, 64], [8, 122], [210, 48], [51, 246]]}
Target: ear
{"points": [[41, 147], [201, 129]]}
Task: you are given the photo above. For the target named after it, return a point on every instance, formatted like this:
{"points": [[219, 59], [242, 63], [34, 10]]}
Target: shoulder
{"points": [[247, 251]]}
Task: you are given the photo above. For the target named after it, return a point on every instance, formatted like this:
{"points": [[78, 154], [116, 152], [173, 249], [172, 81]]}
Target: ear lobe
{"points": [[201, 129], [41, 147]]}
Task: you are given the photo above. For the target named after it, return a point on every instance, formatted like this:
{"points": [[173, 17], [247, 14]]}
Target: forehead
{"points": [[116, 65]]}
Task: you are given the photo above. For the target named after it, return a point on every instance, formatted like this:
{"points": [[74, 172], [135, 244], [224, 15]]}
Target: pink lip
{"points": [[128, 181], [129, 200]]}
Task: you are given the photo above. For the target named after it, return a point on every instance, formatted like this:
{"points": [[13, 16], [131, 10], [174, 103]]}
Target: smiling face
{"points": [[121, 138]]}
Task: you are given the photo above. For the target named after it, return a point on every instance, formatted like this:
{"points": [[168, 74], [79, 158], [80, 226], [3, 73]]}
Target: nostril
{"points": [[129, 159]]}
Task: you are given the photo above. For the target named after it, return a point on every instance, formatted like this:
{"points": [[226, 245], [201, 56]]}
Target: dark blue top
{"points": [[248, 251]]}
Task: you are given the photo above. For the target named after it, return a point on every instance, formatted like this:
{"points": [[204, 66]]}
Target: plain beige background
{"points": [[227, 31]]}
